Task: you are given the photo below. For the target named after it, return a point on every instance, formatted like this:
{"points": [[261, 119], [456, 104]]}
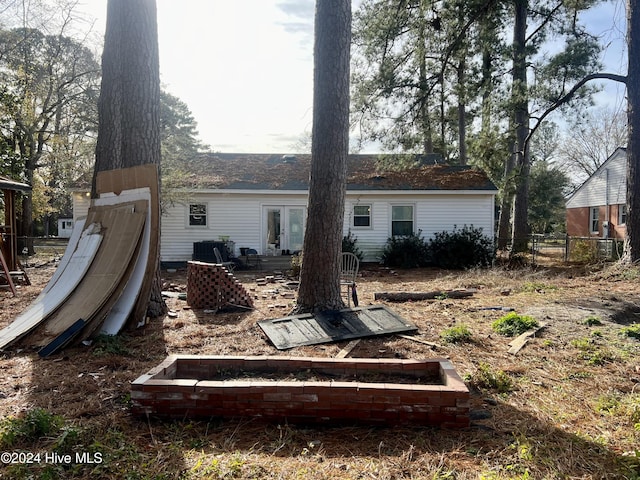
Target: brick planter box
{"points": [[312, 390]]}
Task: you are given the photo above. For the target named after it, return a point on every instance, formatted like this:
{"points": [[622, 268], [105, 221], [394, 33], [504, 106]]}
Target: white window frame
{"points": [[369, 216], [413, 219], [191, 215], [594, 219], [622, 214]]}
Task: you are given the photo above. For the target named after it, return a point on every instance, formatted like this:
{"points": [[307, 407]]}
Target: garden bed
{"points": [[305, 389]]}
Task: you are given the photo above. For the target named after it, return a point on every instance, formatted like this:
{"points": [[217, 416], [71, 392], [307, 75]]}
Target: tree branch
{"points": [[566, 98]]}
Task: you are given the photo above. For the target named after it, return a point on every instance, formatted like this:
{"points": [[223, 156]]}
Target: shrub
{"points": [[632, 331], [457, 334], [513, 324], [408, 251], [349, 245], [460, 249]]}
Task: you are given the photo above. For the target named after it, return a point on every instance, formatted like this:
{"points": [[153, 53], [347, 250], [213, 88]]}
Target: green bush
{"points": [[407, 251], [460, 249], [456, 334], [513, 324], [349, 244]]}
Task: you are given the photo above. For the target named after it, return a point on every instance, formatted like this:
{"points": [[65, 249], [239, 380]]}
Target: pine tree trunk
{"points": [[521, 124], [320, 275], [129, 104], [632, 241]]}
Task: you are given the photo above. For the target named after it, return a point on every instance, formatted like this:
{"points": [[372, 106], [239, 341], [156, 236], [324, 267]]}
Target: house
{"points": [[598, 207], [259, 201], [65, 227]]}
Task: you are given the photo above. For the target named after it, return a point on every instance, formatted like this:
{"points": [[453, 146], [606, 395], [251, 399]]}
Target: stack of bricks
{"points": [[212, 286]]}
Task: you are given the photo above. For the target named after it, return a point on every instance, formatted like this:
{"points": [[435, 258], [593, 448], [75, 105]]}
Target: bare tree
{"points": [[320, 275], [591, 140]]}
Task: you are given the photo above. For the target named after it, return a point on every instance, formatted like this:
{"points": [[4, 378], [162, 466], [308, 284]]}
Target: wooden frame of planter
{"points": [[430, 392]]}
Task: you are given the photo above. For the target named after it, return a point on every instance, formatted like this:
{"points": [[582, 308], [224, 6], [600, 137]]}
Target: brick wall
{"points": [[185, 386], [212, 286]]}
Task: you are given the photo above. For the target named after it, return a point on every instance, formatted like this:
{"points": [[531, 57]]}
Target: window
{"points": [[197, 215], [594, 212], [622, 214], [362, 215], [401, 220]]}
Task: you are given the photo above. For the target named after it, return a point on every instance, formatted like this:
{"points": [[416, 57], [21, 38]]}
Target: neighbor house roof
{"points": [[291, 172], [8, 184]]}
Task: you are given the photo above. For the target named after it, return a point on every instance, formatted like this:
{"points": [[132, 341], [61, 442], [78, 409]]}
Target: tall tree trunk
{"points": [[425, 120], [632, 241], [320, 275], [129, 104], [462, 113], [521, 124]]}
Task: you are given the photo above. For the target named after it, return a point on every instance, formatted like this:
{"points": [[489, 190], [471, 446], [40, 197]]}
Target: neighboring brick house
{"points": [[598, 207]]}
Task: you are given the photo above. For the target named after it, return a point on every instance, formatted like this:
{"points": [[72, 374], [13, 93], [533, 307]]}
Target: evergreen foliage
{"points": [[407, 251], [460, 249]]}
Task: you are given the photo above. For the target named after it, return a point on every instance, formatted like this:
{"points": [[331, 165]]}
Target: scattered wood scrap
{"points": [[348, 348], [520, 341], [418, 340], [416, 296]]}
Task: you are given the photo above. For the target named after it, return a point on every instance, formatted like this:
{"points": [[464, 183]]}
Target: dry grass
{"points": [[572, 409]]}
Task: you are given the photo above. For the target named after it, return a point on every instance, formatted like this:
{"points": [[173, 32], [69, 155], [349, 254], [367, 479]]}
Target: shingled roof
{"points": [[291, 172]]}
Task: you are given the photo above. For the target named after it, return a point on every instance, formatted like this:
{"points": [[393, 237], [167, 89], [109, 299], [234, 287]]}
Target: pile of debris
{"points": [[104, 279]]}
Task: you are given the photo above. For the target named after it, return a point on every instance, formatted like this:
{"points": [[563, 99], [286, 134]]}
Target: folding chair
{"points": [[228, 265]]}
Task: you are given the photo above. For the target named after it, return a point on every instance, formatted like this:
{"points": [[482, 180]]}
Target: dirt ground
{"points": [[571, 408]]}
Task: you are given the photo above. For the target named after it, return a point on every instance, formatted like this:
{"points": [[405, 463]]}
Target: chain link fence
{"points": [[556, 249]]}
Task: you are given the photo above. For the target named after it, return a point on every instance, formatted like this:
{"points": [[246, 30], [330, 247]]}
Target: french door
{"points": [[283, 228]]}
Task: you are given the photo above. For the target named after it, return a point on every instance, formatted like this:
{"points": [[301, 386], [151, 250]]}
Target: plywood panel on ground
{"points": [[324, 327]]}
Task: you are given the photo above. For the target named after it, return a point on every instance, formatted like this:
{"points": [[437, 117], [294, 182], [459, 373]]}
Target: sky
{"points": [[245, 69]]}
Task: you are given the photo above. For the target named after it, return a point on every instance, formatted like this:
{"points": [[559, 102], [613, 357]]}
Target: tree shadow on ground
{"points": [[511, 442]]}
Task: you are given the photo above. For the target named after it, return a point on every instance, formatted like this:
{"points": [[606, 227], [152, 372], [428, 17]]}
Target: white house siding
{"points": [[433, 212], [80, 205], [235, 215], [607, 186], [239, 215]]}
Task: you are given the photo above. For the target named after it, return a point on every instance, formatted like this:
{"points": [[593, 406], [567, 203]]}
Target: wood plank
{"points": [[119, 313], [122, 232], [348, 348], [312, 329], [419, 340], [417, 296], [7, 274], [520, 341], [76, 268], [131, 178]]}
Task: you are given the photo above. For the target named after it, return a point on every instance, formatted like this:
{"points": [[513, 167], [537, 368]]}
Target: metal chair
{"points": [[228, 265], [253, 259], [348, 274]]}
